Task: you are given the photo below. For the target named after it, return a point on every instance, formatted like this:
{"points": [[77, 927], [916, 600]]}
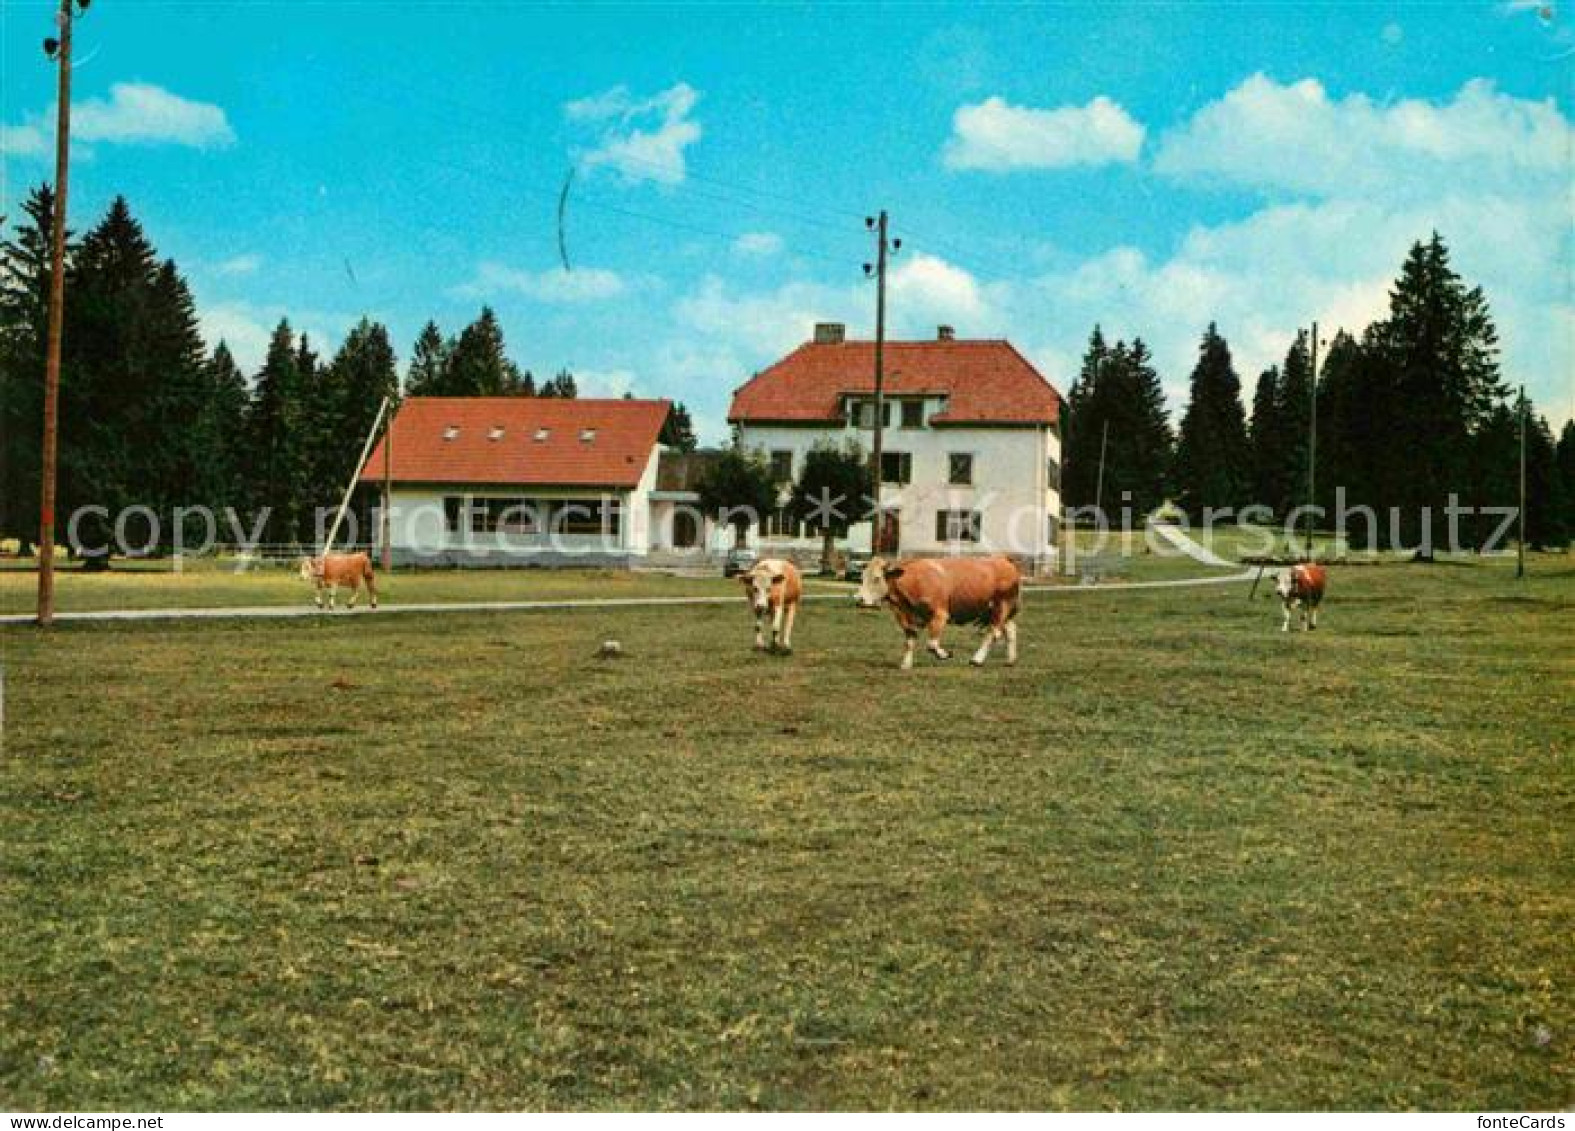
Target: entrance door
{"points": [[686, 530], [890, 533]]}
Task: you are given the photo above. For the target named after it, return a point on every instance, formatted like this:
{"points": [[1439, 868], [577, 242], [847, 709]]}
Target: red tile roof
{"points": [[625, 432], [985, 382]]}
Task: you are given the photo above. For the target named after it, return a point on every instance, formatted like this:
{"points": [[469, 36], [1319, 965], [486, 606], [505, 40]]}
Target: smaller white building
{"points": [[519, 480], [971, 442]]}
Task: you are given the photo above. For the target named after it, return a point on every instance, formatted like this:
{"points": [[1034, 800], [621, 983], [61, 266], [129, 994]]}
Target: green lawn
{"points": [[1173, 859]]}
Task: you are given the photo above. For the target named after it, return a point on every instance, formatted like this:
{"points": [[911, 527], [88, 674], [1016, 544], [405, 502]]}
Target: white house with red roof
{"points": [[505, 480], [971, 443]]}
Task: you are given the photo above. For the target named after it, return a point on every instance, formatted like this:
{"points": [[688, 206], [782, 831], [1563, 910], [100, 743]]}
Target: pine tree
{"points": [[1294, 417], [429, 363], [1212, 461], [274, 426], [478, 365], [178, 467], [560, 386], [1495, 471], [228, 400], [1263, 434], [1080, 438], [362, 373], [25, 271], [1149, 447], [1546, 505], [1564, 458], [1344, 422], [678, 430], [1439, 377]]}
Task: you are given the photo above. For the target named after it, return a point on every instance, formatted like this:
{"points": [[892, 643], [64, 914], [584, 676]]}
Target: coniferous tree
{"points": [[428, 372], [1344, 420], [1149, 444], [228, 400], [1495, 472], [1545, 501], [527, 384], [25, 271], [1294, 418], [678, 430], [1564, 459], [560, 386], [478, 365], [1437, 356], [275, 430], [1212, 462], [1263, 434], [1080, 438], [362, 373]]}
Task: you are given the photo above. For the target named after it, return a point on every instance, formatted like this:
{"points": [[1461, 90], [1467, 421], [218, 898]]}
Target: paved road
{"points": [[285, 612]]}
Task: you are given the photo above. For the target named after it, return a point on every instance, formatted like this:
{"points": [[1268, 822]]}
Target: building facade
{"points": [[519, 480], [971, 445]]}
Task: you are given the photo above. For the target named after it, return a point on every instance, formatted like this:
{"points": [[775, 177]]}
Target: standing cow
{"points": [[333, 570], [931, 592], [774, 589], [1301, 587]]}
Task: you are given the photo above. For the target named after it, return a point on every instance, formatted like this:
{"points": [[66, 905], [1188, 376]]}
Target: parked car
{"points": [[738, 560], [853, 570]]}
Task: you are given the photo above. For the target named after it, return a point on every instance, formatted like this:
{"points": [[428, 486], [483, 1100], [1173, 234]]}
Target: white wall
{"points": [[1010, 480]]}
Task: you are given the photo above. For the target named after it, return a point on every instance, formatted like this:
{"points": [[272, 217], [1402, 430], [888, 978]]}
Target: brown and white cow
{"points": [[330, 572], [1302, 587], [774, 589], [932, 592]]}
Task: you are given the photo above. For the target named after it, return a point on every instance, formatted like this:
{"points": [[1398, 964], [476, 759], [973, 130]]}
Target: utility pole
{"points": [[882, 245], [1312, 443], [60, 51], [1520, 543], [388, 473], [1099, 489]]}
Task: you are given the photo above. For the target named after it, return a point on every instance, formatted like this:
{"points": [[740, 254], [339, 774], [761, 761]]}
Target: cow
{"points": [[932, 592], [1301, 587], [334, 570], [774, 589]]}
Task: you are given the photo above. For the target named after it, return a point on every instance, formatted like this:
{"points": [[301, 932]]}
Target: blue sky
{"points": [[1149, 166]]}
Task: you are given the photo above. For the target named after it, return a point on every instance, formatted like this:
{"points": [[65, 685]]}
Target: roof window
{"points": [[587, 435], [451, 432], [542, 434], [496, 433]]}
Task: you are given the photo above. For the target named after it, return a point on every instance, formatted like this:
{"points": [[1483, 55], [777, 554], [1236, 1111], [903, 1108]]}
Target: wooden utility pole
{"points": [[877, 522], [1312, 443], [57, 307], [388, 470], [1520, 543]]}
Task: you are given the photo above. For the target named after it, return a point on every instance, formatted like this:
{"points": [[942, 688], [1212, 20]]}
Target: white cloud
{"points": [[758, 243], [583, 284], [997, 137], [1295, 138], [246, 328], [135, 113], [247, 264], [606, 382], [643, 139]]}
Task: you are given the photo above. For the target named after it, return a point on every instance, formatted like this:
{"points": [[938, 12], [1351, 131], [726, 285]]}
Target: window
{"points": [[496, 433], [587, 435], [503, 516], [780, 523], [542, 434], [913, 414], [451, 432], [957, 526], [959, 469], [896, 467], [587, 516], [1052, 529], [1053, 474], [782, 467], [453, 508], [865, 414]]}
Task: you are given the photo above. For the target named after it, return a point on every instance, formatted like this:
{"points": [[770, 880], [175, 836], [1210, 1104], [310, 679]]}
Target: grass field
{"points": [[1174, 859]]}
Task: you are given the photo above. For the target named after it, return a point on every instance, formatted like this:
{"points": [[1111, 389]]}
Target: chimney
{"points": [[830, 333], [945, 334]]}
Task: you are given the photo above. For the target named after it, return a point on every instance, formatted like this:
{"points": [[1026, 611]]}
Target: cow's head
{"points": [[310, 569], [1285, 584], [757, 585], [875, 586]]}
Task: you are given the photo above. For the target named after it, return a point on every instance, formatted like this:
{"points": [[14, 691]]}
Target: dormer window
{"points": [[496, 433], [542, 434], [587, 435], [451, 432]]}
